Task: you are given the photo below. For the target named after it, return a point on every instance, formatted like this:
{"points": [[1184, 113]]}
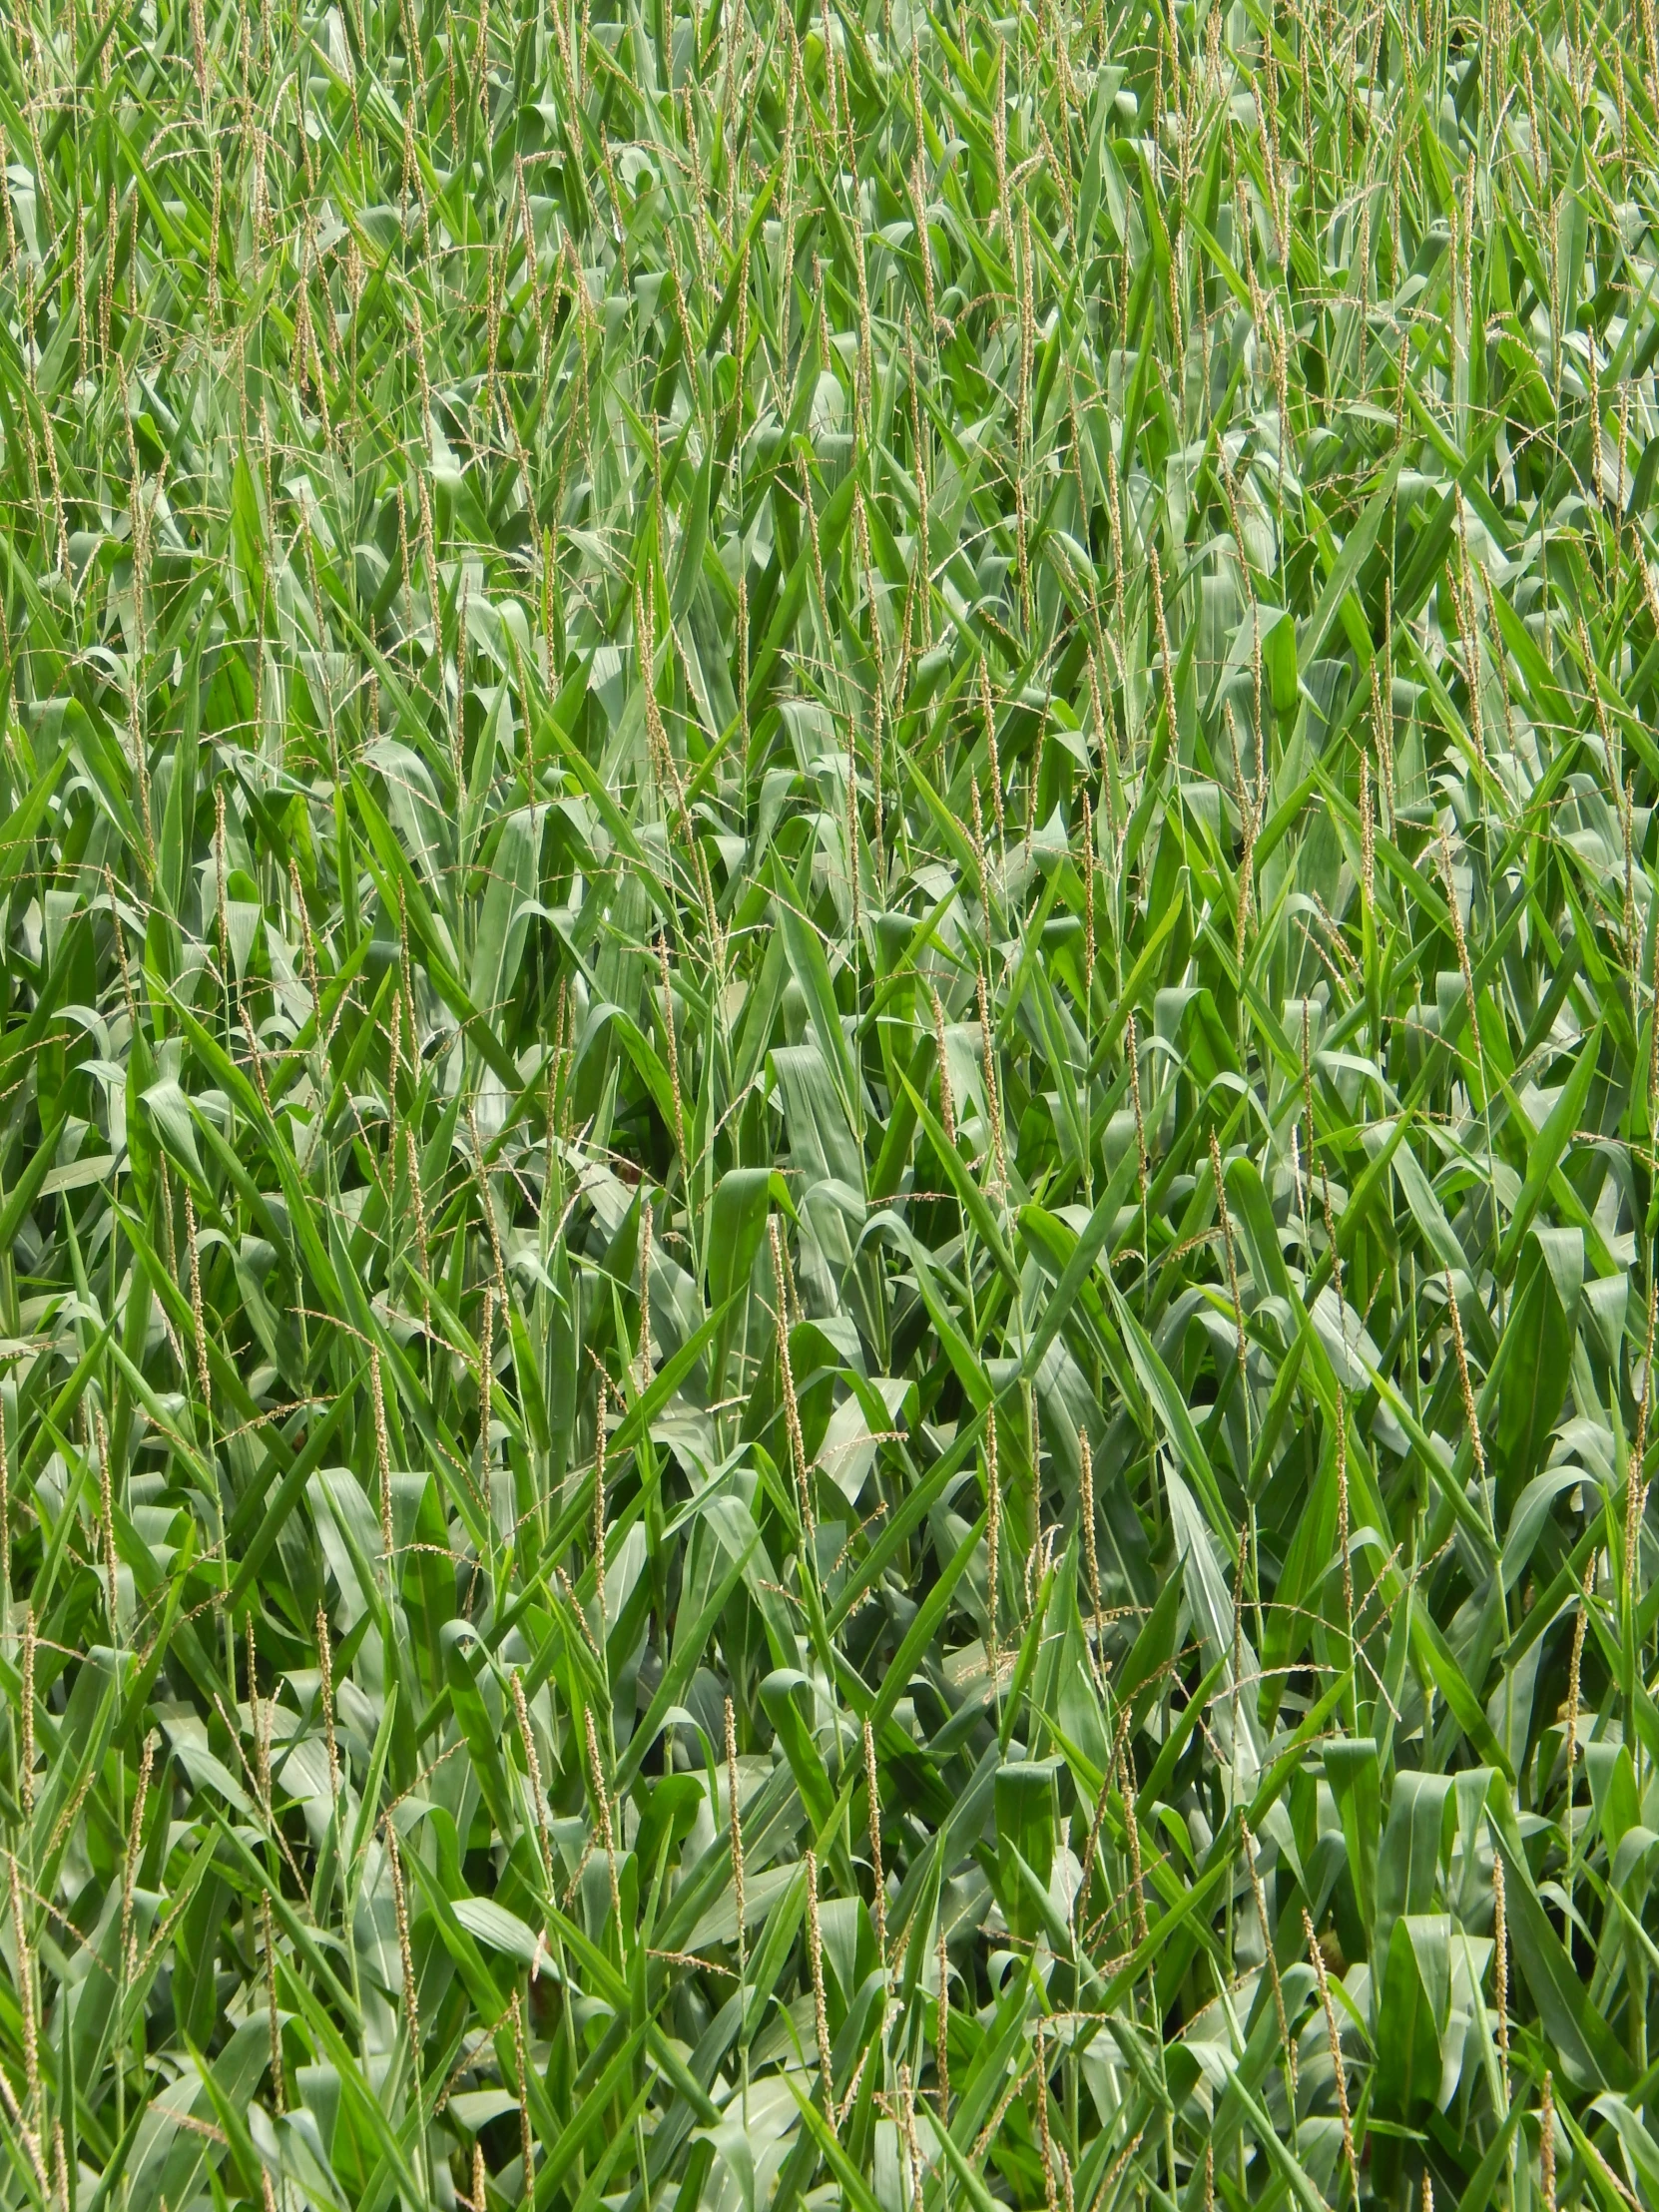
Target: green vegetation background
{"points": [[827, 1106]]}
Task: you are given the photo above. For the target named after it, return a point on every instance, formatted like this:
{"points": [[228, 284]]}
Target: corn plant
{"points": [[827, 1097]]}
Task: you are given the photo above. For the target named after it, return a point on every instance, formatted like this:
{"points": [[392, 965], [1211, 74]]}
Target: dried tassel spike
{"points": [[602, 1800], [106, 1503], [479, 2178], [1167, 658], [601, 1441], [988, 711], [326, 1698], [853, 883], [262, 1720], [1500, 1966], [1334, 2041], [1132, 1828], [947, 1099], [1460, 939], [1286, 2043], [1343, 1526], [405, 1955], [486, 1207], [1088, 888], [1046, 2140], [993, 1100], [672, 1042], [1249, 823], [735, 1814], [821, 2011], [486, 1380], [978, 839], [31, 2141], [1546, 2142], [792, 1409], [227, 980], [26, 1989], [521, 2059], [279, 2093], [645, 1297], [1460, 1351], [532, 1767], [993, 1530], [872, 1786], [1635, 1491], [1085, 1514], [1232, 1267], [1367, 835], [382, 1454], [26, 1752], [942, 2028], [394, 1065], [135, 1849], [908, 2123], [417, 1204], [1574, 1683]]}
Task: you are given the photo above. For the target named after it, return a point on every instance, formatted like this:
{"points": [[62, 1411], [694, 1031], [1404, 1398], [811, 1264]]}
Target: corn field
{"points": [[828, 1106]]}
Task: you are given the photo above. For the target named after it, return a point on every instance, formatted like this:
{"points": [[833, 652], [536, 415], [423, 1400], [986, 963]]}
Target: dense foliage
{"points": [[828, 1095]]}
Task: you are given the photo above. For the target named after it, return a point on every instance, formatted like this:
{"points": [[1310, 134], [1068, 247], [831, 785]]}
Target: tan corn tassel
{"points": [[821, 2011], [204, 1380], [993, 1530], [486, 1378], [1368, 840], [600, 1441], [992, 1099], [405, 1955], [1085, 1513], [871, 1785], [135, 1849], [1467, 1387], [1131, 1822], [326, 1662], [526, 2141], [607, 1833], [912, 2148], [1134, 1057], [106, 1501], [261, 1717], [1635, 1491], [673, 1043], [1461, 941], [1088, 875], [279, 2096], [1272, 1959], [1045, 2141], [792, 1409], [1335, 2042], [24, 1987], [948, 1101], [1500, 1966], [382, 1453], [735, 1814], [26, 1778], [1232, 1267], [645, 1297], [532, 1767]]}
